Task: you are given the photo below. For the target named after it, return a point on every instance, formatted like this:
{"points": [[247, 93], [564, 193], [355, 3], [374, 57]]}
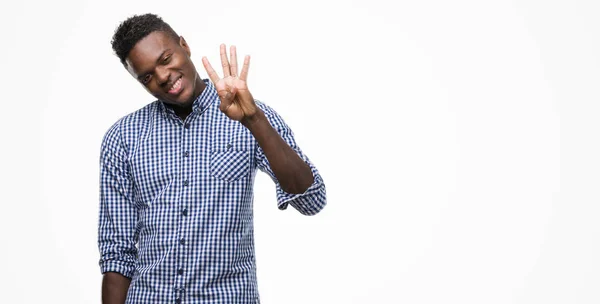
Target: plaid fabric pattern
{"points": [[176, 202]]}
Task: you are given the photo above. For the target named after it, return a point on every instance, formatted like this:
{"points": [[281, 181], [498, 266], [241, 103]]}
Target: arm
{"points": [[114, 288], [313, 198], [297, 180], [117, 220], [292, 173]]}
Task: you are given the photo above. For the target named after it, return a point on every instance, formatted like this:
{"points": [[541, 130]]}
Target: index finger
{"points": [[209, 69]]}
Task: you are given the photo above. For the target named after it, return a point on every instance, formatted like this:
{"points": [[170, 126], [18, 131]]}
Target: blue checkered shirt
{"points": [[176, 202]]}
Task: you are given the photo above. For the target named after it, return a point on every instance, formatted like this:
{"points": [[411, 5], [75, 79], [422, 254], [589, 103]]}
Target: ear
{"points": [[184, 45]]}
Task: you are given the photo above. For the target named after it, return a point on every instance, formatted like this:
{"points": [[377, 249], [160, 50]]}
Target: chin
{"points": [[186, 98], [181, 100]]}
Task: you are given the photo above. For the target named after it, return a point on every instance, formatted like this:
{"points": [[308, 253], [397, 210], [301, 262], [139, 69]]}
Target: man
{"points": [[176, 222]]}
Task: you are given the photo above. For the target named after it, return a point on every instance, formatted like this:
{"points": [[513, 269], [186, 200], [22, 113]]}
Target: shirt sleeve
{"points": [[117, 235], [314, 198]]}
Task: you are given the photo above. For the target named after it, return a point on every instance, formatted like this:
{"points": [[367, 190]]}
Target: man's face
{"points": [[163, 66]]}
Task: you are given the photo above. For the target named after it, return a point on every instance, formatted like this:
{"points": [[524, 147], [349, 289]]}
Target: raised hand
{"points": [[236, 101]]}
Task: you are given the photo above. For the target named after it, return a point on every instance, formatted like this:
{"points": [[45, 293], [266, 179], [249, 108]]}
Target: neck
{"points": [[199, 87], [182, 112]]}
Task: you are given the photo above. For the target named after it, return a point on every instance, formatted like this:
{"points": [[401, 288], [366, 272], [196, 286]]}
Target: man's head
{"points": [[158, 58]]}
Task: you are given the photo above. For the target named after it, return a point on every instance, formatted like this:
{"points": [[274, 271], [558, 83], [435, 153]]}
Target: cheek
{"points": [[187, 66], [189, 72], [151, 88]]}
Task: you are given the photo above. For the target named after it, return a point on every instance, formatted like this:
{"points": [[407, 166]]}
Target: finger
{"points": [[244, 73], [227, 98], [233, 61], [209, 69], [224, 61]]}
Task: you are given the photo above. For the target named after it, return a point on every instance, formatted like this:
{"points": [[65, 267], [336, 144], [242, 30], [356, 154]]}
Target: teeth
{"points": [[176, 85]]}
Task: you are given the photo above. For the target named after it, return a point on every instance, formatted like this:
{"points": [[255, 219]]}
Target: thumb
{"points": [[227, 98]]}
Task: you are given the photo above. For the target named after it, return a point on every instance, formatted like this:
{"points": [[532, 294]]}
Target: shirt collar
{"points": [[202, 102]]}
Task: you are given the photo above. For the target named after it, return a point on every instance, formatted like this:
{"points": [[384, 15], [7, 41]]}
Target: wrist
{"points": [[254, 119]]}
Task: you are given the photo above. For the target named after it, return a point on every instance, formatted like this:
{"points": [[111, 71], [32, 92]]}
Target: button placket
{"points": [[179, 293], [183, 211]]}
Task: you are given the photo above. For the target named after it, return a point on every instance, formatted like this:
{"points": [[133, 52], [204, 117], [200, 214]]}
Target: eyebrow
{"points": [[140, 77]]}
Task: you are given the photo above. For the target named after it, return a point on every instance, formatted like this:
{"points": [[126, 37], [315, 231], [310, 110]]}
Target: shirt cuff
{"points": [[310, 202], [125, 269]]}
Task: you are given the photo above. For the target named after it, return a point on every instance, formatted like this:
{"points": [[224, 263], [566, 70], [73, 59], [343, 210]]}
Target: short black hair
{"points": [[134, 29]]}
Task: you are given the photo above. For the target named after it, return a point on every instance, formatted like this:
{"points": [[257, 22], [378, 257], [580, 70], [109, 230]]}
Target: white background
{"points": [[458, 141]]}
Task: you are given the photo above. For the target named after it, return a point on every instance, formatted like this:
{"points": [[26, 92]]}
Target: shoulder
{"points": [[269, 111], [130, 125], [273, 117]]}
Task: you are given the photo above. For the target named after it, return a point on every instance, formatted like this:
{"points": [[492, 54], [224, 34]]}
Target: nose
{"points": [[162, 75]]}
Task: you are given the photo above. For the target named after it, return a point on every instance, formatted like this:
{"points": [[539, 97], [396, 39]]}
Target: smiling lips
{"points": [[176, 88]]}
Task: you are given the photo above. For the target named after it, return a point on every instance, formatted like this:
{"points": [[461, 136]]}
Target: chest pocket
{"points": [[232, 160]]}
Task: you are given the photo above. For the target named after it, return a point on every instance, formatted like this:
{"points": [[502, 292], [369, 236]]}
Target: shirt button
{"points": [[187, 125], [228, 146], [186, 153], [182, 241], [180, 271], [178, 300], [184, 212], [185, 183]]}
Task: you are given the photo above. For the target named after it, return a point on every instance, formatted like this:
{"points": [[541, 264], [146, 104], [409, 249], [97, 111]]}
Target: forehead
{"points": [[145, 52]]}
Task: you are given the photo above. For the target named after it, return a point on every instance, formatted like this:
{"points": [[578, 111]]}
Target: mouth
{"points": [[176, 88]]}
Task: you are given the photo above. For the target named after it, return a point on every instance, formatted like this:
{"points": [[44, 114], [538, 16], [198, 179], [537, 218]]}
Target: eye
{"points": [[167, 59], [146, 79]]}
